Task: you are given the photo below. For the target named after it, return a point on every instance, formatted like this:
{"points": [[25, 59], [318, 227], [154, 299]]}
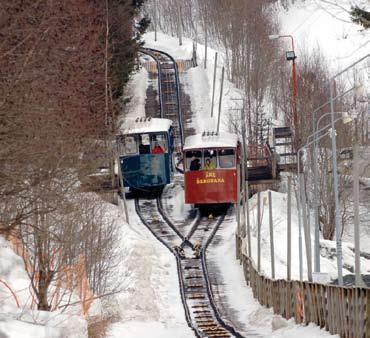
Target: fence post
{"points": [[258, 231], [271, 238]]}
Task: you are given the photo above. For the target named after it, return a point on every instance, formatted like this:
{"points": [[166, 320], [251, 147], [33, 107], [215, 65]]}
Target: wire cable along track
{"points": [[195, 288]]}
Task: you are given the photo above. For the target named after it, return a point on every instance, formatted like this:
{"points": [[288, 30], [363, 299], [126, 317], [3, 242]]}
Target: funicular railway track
{"points": [[168, 90], [187, 240], [190, 252]]}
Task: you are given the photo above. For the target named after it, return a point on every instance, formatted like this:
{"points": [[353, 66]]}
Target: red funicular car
{"points": [[210, 161]]}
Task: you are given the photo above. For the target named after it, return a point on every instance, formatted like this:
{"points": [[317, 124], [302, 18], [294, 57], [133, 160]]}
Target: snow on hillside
{"points": [[327, 25], [149, 304], [22, 322], [328, 260]]}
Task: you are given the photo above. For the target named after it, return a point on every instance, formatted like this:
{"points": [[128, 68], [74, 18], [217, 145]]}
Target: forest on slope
{"points": [[63, 69]]}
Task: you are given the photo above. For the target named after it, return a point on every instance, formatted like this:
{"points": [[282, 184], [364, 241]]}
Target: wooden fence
{"points": [[340, 310], [182, 65]]}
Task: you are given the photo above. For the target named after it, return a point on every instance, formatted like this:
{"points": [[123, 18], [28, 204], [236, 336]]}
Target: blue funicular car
{"points": [[145, 148]]}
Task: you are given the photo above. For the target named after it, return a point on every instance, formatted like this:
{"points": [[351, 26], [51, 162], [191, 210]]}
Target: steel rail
{"points": [[208, 283], [153, 56], [179, 271], [178, 97]]}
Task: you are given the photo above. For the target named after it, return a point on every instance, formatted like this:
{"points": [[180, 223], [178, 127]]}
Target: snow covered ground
{"points": [[20, 321], [149, 304]]}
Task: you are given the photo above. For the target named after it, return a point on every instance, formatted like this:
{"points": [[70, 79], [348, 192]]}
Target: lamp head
{"points": [[274, 37], [290, 55]]}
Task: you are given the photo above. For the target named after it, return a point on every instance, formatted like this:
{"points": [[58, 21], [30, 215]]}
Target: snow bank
{"points": [[252, 317], [150, 303], [22, 322], [279, 214]]}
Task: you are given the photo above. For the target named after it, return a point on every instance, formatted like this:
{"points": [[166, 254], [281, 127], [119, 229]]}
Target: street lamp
{"points": [[291, 56], [338, 225]]}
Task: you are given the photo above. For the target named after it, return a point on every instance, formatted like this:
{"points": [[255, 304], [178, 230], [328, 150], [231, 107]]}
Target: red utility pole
{"points": [[291, 57]]}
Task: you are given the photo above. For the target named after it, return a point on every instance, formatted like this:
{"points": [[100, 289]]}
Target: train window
{"points": [[130, 146], [226, 158], [144, 144], [210, 159], [193, 159], [158, 143]]}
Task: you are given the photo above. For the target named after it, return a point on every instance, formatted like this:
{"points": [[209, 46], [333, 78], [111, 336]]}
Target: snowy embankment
{"points": [[279, 215], [21, 321], [255, 318], [149, 304]]}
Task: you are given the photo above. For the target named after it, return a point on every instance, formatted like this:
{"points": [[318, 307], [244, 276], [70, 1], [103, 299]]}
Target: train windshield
{"points": [[158, 143], [226, 158], [129, 145], [193, 159], [210, 159]]}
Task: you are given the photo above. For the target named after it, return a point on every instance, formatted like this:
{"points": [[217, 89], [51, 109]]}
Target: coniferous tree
{"points": [[360, 16]]}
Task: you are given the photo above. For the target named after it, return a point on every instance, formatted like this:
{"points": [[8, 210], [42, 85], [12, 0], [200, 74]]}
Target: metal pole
{"points": [[238, 199], [289, 229], [205, 46], [238, 206], [122, 190], [294, 76], [316, 201], [338, 227], [248, 221], [300, 249], [220, 101], [298, 198], [356, 221], [155, 19], [214, 84], [307, 234], [179, 23], [258, 231], [243, 230], [272, 251]]}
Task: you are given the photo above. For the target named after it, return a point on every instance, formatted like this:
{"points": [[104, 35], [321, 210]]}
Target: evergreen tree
{"points": [[360, 16]]}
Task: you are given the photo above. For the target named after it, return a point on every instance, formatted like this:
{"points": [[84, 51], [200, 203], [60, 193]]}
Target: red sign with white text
{"points": [[211, 186]]}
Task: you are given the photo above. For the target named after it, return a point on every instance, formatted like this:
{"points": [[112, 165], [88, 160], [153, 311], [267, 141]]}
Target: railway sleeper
{"points": [[202, 311], [215, 330], [219, 335], [206, 322], [188, 267], [197, 306], [213, 326], [195, 286], [193, 277], [196, 297], [204, 316]]}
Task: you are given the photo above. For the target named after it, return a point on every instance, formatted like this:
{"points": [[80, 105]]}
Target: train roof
{"points": [[145, 125], [211, 140]]}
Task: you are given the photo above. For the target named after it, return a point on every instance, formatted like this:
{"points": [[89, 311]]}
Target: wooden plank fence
{"points": [[340, 310], [182, 65]]}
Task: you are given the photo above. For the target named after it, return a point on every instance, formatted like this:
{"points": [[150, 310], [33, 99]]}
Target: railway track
{"points": [[168, 90], [189, 248]]}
